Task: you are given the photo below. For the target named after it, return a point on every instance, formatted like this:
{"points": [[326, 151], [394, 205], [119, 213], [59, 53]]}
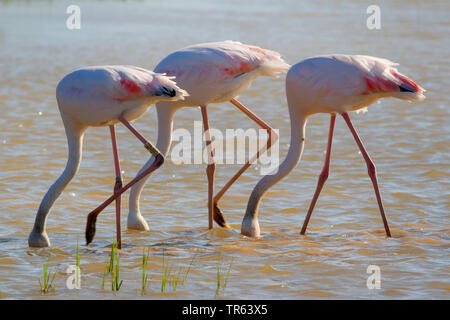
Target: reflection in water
{"points": [[408, 143]]}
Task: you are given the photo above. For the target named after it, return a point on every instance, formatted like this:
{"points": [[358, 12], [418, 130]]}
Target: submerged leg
{"points": [[273, 137], [118, 184], [211, 168], [159, 160], [371, 169], [323, 175]]}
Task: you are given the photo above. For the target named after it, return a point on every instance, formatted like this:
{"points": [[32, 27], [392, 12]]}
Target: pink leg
{"points": [[272, 138], [118, 184], [372, 171], [323, 175], [159, 160], [211, 168]]}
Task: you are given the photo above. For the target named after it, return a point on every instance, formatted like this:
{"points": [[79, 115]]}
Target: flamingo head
{"points": [[406, 88]]}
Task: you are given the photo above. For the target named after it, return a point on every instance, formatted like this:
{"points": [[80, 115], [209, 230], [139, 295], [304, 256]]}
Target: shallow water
{"points": [[408, 142]]}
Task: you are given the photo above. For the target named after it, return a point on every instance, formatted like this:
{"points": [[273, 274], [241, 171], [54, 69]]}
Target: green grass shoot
{"points": [[165, 273], [228, 273], [112, 256], [113, 268], [77, 258], [105, 271], [174, 276], [47, 282], [144, 269], [222, 280], [78, 270], [116, 283], [188, 269]]}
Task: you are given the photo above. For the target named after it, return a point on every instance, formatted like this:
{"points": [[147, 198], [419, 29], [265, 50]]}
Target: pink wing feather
{"points": [[119, 83], [218, 61]]}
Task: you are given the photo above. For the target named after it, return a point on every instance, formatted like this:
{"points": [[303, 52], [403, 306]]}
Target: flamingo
{"points": [[334, 84], [102, 96], [212, 73]]}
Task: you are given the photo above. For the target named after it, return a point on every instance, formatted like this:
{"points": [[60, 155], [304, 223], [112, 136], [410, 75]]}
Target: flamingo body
{"points": [[96, 96], [340, 83], [219, 71]]}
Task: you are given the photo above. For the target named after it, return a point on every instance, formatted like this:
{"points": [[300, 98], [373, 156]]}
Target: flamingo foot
{"points": [[250, 228], [38, 240], [90, 228], [137, 222], [218, 217]]}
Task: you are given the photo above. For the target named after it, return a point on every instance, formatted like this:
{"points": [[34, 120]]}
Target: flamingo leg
{"points": [[159, 160], [273, 137], [323, 175], [118, 185], [371, 169], [211, 168]]}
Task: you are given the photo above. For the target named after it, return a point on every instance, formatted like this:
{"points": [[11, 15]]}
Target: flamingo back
{"points": [[218, 71], [340, 83], [96, 96], [119, 83]]}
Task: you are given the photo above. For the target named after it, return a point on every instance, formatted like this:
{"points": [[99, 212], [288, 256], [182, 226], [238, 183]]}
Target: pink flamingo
{"points": [[102, 96], [331, 84], [211, 73]]}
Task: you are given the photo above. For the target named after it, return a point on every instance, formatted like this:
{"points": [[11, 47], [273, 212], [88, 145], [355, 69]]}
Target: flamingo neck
{"points": [[75, 136], [298, 125], [166, 112]]}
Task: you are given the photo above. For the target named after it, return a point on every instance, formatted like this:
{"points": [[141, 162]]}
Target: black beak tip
{"points": [[168, 92], [404, 89]]}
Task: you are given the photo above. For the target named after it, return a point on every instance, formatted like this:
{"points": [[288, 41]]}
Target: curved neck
{"points": [[165, 126], [75, 136], [298, 124], [166, 112]]}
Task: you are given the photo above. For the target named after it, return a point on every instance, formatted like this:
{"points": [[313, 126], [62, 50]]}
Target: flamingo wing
{"points": [[344, 79], [120, 83], [331, 77], [219, 61]]}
